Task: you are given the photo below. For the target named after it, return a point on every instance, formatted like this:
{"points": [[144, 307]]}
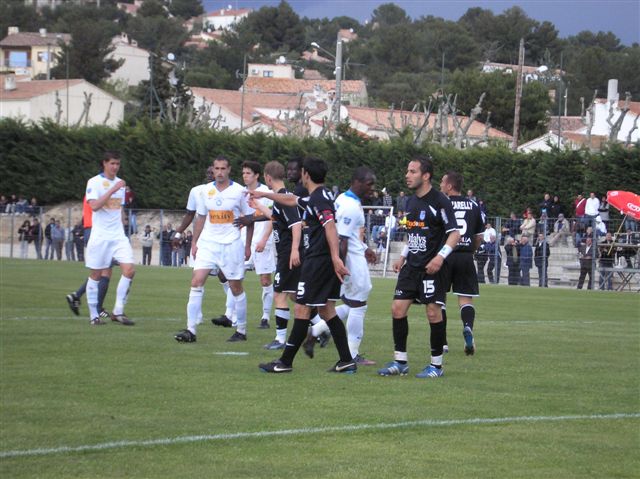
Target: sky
{"points": [[622, 17]]}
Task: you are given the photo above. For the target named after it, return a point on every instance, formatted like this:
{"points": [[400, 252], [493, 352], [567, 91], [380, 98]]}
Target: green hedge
{"points": [[161, 163]]}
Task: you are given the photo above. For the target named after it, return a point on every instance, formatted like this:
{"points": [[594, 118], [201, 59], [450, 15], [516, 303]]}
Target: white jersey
{"points": [[259, 226], [350, 221], [194, 197], [221, 208], [107, 221]]}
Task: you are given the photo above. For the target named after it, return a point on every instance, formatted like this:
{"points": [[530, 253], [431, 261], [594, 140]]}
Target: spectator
{"points": [[335, 192], [401, 203], [528, 226], [176, 252], [472, 196], [36, 234], [126, 226], [601, 228], [3, 204], [585, 254], [78, 239], [481, 261], [48, 250], [556, 208], [607, 257], [561, 231], [386, 198], [591, 206], [492, 250], [165, 237], [390, 225], [33, 208], [582, 237], [545, 205], [186, 247], [603, 210], [11, 204], [375, 199], [544, 226], [57, 239], [512, 226], [146, 240], [381, 244], [526, 260], [21, 205], [579, 204], [24, 236], [69, 249], [483, 207], [489, 231], [377, 224], [129, 204], [541, 259], [513, 261]]}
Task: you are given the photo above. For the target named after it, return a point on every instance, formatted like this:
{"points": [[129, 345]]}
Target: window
{"points": [[267, 74], [42, 56]]}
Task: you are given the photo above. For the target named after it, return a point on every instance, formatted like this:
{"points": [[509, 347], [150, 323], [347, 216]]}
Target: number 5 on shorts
{"points": [[429, 287], [301, 288]]}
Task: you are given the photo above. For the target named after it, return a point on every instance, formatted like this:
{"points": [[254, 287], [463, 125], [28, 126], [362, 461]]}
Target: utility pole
{"points": [[516, 115], [244, 79], [560, 104], [338, 99]]}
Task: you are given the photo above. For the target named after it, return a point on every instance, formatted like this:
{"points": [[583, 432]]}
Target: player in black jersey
{"points": [[287, 231], [432, 234], [322, 269], [462, 277]]}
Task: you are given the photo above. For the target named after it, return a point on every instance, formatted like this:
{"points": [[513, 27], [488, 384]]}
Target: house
{"points": [[529, 73], [347, 35], [136, 60], [59, 100], [378, 123], [252, 112], [280, 70], [130, 8], [609, 110], [225, 18], [31, 53], [353, 92]]}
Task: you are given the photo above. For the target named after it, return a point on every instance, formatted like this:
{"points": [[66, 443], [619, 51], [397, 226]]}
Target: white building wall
{"points": [[270, 71], [15, 109], [136, 64], [601, 127]]}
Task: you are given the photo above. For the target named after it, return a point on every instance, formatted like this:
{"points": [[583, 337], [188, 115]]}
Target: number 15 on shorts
{"points": [[429, 287]]}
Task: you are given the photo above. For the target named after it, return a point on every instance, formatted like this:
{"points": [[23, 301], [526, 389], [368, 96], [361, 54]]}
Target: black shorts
{"points": [[421, 287], [461, 275], [318, 282], [285, 280]]}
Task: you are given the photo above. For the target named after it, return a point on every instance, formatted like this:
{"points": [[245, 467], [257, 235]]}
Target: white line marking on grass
{"points": [[311, 430], [531, 321], [231, 353]]}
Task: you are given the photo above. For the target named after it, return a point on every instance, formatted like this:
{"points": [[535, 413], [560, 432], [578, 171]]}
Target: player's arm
{"points": [[98, 203], [286, 199], [268, 228], [247, 246], [477, 241], [197, 230], [334, 249], [296, 235], [399, 263], [343, 246], [436, 262], [187, 219]]}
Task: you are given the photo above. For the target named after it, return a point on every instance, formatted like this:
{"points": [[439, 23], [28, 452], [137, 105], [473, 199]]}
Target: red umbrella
{"points": [[628, 203]]}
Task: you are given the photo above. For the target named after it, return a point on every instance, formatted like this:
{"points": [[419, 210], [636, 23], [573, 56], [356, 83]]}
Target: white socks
{"points": [[267, 301], [92, 298], [194, 308], [230, 304], [343, 312], [241, 312], [355, 328], [121, 294], [320, 327]]}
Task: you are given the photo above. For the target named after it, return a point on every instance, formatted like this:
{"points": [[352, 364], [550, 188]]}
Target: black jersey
{"points": [[300, 190], [283, 218], [470, 221], [318, 210], [429, 220]]}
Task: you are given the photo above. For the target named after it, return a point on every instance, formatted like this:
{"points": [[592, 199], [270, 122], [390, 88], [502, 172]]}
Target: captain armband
{"points": [[445, 251], [405, 251]]}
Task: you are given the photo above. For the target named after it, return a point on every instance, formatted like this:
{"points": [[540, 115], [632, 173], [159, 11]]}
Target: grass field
{"points": [[553, 391]]}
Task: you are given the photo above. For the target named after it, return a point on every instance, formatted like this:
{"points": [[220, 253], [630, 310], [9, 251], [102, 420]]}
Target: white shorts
{"points": [[357, 285], [100, 252], [263, 262], [228, 258]]}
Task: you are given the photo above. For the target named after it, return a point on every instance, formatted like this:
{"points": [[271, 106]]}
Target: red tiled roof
{"points": [[223, 12], [130, 8], [33, 39], [568, 123], [31, 89], [288, 86], [379, 118], [634, 106]]}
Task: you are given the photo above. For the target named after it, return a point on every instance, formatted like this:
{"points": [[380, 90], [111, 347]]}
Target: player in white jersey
{"points": [[105, 196], [217, 245], [350, 222], [263, 255]]}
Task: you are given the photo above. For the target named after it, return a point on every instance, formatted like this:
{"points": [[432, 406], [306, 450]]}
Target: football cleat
{"points": [[222, 321], [344, 367], [235, 337], [430, 372], [185, 336], [273, 345], [276, 367], [104, 314], [469, 343], [445, 349], [74, 303], [309, 344], [264, 324], [362, 361], [96, 322], [394, 368], [122, 319], [324, 339]]}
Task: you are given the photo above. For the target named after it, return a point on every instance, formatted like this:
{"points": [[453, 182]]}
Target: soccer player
{"points": [[322, 270], [105, 196], [187, 219], [262, 251], [287, 232], [461, 271], [350, 222], [73, 299], [217, 244], [432, 234]]}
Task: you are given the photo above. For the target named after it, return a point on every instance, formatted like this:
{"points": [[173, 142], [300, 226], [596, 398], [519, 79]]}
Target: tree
{"points": [[17, 14], [389, 15], [186, 8], [157, 33], [277, 28]]}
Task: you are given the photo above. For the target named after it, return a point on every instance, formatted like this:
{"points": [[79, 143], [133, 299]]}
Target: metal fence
{"points": [[567, 262]]}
